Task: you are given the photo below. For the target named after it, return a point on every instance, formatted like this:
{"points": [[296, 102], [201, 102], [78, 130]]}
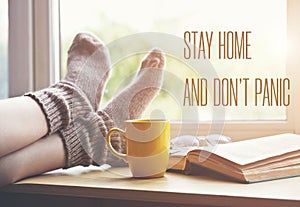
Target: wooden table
{"points": [[114, 187]]}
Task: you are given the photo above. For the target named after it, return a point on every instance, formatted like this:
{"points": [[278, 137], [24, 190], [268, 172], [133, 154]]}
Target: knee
{"points": [[6, 178]]}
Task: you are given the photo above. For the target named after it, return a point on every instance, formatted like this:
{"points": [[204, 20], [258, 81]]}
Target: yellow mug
{"points": [[147, 146]]}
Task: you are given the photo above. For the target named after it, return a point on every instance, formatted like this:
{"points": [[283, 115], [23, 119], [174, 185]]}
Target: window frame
{"points": [[34, 56], [20, 47], [31, 50]]}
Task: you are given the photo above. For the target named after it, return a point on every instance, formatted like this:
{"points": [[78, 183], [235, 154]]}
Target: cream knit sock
{"points": [[89, 66], [70, 104], [61, 103], [83, 141], [131, 102], [88, 70]]}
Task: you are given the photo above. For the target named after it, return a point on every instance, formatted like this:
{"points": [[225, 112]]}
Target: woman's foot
{"points": [[81, 91], [88, 66], [131, 102]]}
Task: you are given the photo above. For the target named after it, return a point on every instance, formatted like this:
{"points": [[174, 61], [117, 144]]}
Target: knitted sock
{"points": [[88, 66], [61, 103], [88, 70], [83, 141], [131, 102]]}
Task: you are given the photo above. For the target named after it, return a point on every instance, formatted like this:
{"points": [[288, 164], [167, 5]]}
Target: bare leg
{"points": [[22, 122], [88, 68], [49, 153], [44, 155]]}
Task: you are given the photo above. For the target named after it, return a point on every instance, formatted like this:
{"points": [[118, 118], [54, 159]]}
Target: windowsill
{"points": [[116, 184]]}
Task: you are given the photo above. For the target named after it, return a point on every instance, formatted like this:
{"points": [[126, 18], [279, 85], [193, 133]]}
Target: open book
{"points": [[248, 161]]}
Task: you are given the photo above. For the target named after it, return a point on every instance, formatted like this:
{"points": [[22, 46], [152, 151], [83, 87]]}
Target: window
{"points": [[3, 49], [270, 26], [33, 40], [110, 21]]}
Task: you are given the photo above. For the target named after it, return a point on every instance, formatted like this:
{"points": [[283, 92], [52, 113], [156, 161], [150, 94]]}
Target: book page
{"points": [[250, 151], [182, 151]]}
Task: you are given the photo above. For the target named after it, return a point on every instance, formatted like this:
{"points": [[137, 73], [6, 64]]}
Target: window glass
{"points": [[266, 21], [3, 49]]}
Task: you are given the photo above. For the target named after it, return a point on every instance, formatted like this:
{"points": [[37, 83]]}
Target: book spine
{"points": [[188, 167]]}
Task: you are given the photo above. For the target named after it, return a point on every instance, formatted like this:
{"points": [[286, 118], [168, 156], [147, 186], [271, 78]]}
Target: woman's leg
{"points": [[22, 122], [88, 144], [43, 155], [88, 71], [83, 141]]}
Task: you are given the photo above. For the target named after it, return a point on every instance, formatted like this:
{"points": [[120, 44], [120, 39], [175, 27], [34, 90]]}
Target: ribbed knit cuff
{"points": [[116, 141], [54, 107], [84, 141], [61, 103]]}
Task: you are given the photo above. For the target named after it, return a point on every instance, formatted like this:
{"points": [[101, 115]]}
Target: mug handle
{"points": [[110, 147]]}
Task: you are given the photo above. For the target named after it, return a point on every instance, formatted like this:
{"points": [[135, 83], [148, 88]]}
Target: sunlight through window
{"points": [[266, 20]]}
